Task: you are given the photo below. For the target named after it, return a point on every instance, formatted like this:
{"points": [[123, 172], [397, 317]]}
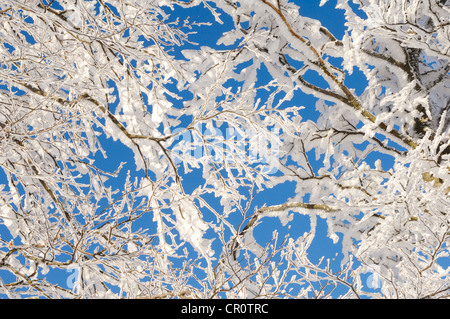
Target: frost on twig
{"points": [[135, 160]]}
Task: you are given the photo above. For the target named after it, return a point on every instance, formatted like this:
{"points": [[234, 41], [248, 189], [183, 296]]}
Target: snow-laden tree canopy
{"points": [[139, 159]]}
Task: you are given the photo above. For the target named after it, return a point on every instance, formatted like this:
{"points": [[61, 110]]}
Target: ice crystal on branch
{"points": [[143, 157]]}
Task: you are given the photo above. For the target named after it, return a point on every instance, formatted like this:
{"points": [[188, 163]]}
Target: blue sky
{"points": [[332, 19], [322, 246]]}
